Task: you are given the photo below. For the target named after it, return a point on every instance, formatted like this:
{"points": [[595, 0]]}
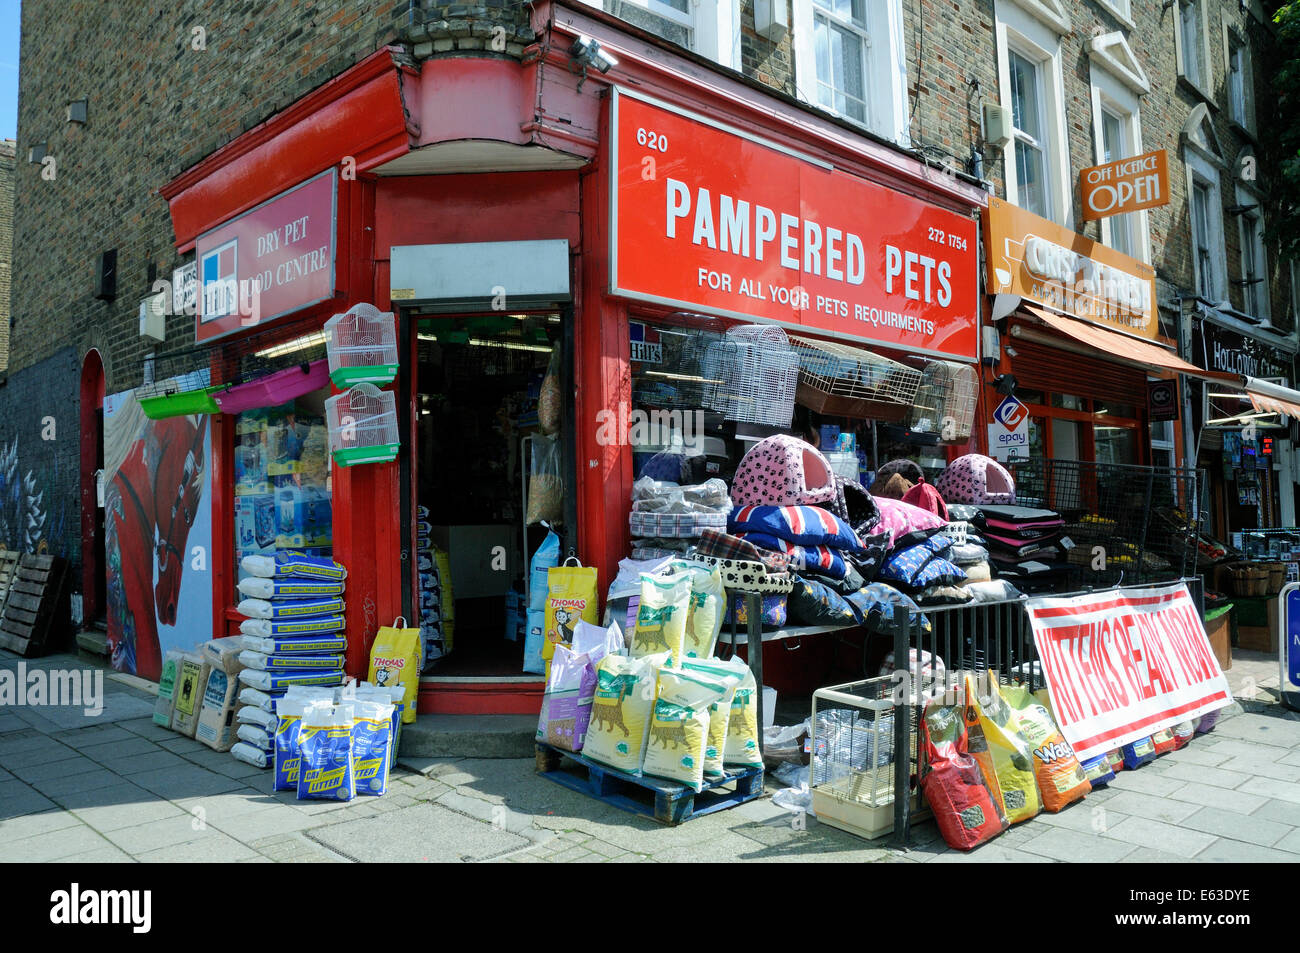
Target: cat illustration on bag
{"points": [[669, 731], [608, 712]]}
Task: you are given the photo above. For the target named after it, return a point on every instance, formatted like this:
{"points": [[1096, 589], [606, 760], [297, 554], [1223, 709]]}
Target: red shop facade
{"points": [[501, 207]]}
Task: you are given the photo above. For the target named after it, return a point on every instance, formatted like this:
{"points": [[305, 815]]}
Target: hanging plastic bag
{"points": [[545, 484], [571, 596], [994, 740], [395, 657], [550, 402], [546, 557], [965, 809]]}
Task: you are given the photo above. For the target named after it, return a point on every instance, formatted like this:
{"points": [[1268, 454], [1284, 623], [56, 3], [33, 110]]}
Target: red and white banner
{"points": [[1122, 664]]}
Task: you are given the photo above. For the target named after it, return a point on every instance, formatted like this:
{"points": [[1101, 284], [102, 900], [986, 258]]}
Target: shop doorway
{"points": [[475, 501], [93, 602]]}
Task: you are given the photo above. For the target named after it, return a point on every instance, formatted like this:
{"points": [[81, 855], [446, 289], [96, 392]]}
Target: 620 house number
{"points": [[654, 141]]}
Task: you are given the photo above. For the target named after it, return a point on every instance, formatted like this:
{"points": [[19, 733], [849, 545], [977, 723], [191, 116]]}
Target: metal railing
{"points": [[983, 637]]}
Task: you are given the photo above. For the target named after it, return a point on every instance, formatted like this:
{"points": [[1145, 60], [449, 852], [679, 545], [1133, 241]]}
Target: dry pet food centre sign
{"points": [[713, 219]]}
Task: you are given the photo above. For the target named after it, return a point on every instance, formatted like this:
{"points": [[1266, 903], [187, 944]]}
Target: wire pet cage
{"points": [[362, 346], [945, 401], [851, 382], [362, 425], [755, 373], [686, 376]]}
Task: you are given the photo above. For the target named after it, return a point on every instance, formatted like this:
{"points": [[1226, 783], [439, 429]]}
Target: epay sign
{"points": [[1009, 432]]}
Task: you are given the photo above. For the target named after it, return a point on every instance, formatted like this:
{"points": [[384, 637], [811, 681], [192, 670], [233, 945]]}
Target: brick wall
{"points": [[7, 161], [769, 63]]}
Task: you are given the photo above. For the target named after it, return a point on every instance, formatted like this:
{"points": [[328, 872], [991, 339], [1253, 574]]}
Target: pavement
{"points": [[116, 788]]}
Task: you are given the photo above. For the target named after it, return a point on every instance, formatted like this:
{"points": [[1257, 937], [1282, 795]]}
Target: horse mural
{"points": [[154, 498]]}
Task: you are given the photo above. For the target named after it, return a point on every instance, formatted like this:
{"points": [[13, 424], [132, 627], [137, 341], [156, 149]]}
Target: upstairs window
{"points": [[1032, 176]]}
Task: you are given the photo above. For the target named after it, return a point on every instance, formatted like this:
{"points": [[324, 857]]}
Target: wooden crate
{"points": [[36, 604], [664, 801], [8, 566]]}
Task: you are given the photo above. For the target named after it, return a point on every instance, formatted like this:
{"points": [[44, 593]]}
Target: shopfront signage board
{"points": [[1041, 261], [1121, 664], [709, 218], [1125, 185], [270, 261], [1009, 431], [1288, 642]]}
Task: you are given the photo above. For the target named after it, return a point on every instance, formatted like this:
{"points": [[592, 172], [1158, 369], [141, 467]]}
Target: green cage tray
{"points": [[383, 453], [182, 404], [377, 374]]}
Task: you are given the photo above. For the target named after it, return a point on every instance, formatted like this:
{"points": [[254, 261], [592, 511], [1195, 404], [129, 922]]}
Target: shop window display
{"points": [[282, 480]]}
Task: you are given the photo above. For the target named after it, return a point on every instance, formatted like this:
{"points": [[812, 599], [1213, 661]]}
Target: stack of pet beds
{"points": [[667, 519]]}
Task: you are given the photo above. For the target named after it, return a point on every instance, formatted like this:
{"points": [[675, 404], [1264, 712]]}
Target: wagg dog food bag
{"points": [[620, 710], [1061, 779], [661, 617], [679, 726], [994, 740]]}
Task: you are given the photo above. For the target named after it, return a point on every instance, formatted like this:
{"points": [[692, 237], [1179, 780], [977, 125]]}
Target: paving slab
{"points": [[96, 735], [167, 831], [419, 834], [129, 809], [1203, 774], [1272, 788], [35, 824], [1155, 808], [1257, 765], [1077, 847], [111, 752], [1290, 842], [102, 855], [72, 784], [1207, 795], [1146, 781], [1225, 851], [53, 845], [185, 781], [1149, 834], [145, 728], [1284, 812], [48, 770], [1236, 826]]}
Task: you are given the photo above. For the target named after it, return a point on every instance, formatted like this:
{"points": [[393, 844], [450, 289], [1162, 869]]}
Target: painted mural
{"points": [[22, 509], [158, 534]]}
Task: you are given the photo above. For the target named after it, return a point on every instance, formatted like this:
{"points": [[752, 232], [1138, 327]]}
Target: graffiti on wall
{"points": [[158, 532], [29, 522]]}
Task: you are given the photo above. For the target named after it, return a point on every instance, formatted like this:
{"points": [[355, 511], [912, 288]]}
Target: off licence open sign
{"points": [[714, 220], [1125, 185]]}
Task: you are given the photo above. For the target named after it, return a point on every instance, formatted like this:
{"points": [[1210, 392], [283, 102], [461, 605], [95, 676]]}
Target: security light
{"points": [[588, 52]]}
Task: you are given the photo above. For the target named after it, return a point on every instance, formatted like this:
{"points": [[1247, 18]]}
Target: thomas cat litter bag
{"points": [[621, 709], [995, 741], [965, 810], [395, 659], [1061, 780], [679, 726], [661, 617]]}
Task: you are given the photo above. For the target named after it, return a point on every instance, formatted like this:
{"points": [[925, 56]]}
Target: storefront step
{"points": [[94, 641], [469, 736]]}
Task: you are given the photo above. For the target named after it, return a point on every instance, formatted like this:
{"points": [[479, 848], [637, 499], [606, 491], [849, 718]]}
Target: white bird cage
{"points": [[851, 775], [848, 381], [362, 424], [362, 346], [757, 371], [945, 401]]}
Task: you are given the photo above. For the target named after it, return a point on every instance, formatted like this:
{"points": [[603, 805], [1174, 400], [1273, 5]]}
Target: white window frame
{"points": [[1118, 83], [715, 25], [1121, 10], [1205, 81], [1199, 169], [1027, 27], [1161, 445], [885, 72], [1250, 226], [1240, 112]]}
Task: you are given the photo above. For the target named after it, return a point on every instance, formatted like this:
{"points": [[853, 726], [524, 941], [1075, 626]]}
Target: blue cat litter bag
{"points": [[291, 609], [289, 663], [289, 628], [533, 636], [546, 557], [287, 752], [332, 645], [289, 588], [293, 563], [325, 770], [1138, 753], [372, 751], [1098, 770], [279, 681]]}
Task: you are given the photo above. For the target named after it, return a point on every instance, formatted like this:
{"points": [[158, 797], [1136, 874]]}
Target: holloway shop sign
{"points": [[1237, 353], [710, 218], [271, 260]]}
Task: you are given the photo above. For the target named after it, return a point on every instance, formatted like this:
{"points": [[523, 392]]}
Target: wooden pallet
{"points": [[8, 566], [35, 603], [664, 801]]}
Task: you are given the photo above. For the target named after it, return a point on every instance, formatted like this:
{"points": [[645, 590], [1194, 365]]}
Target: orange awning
{"points": [[1127, 349]]}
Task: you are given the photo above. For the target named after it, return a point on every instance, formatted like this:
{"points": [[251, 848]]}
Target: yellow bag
{"points": [[570, 597], [730, 674], [621, 709], [707, 607], [661, 617], [742, 725], [679, 726], [395, 660], [994, 740]]}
